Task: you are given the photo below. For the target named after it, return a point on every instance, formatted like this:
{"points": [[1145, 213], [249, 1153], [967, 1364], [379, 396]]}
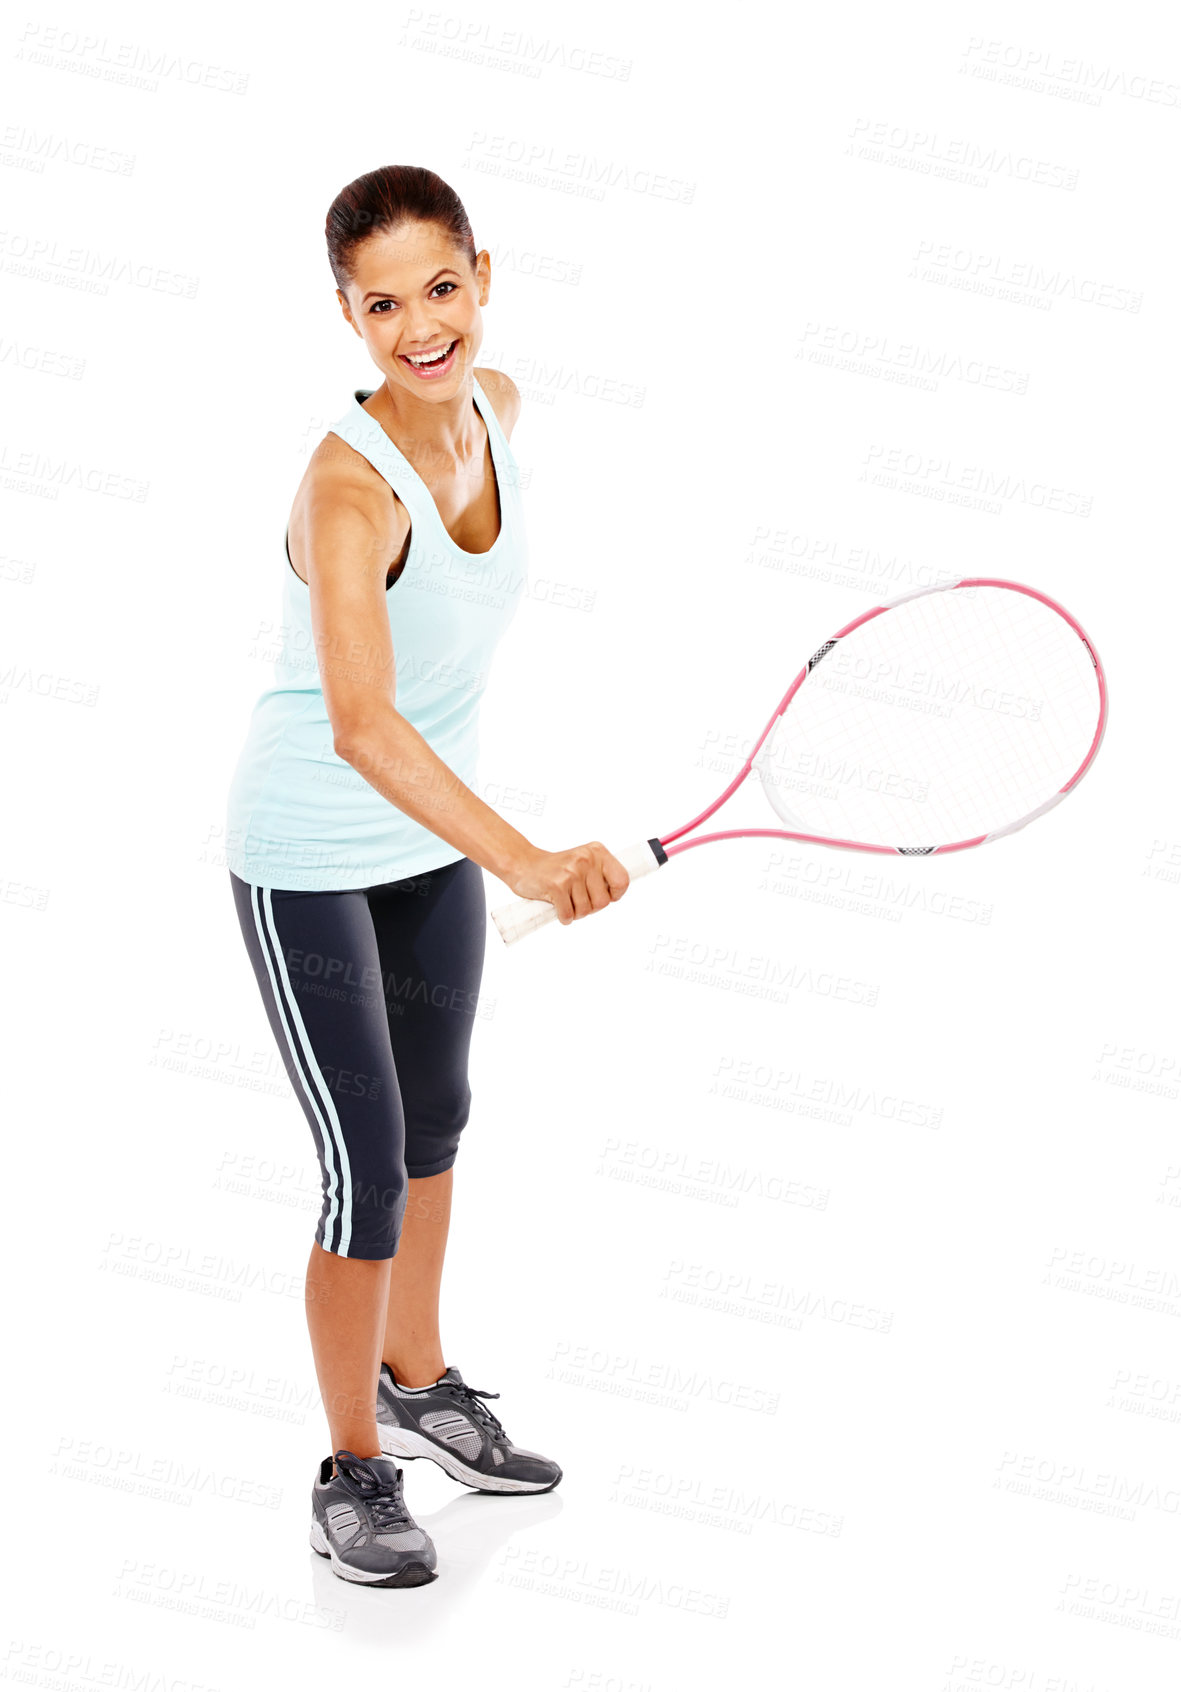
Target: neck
{"points": [[447, 429]]}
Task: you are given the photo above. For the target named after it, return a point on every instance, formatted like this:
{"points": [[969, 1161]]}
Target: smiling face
{"points": [[414, 296]]}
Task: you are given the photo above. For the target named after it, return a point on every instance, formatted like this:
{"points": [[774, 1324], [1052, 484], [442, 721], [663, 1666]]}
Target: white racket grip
{"points": [[523, 916]]}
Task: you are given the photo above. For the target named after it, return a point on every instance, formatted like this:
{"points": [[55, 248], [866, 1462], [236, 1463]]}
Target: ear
{"points": [[346, 313], [483, 275]]}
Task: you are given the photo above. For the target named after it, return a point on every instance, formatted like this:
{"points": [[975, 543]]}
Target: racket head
{"points": [[945, 718]]}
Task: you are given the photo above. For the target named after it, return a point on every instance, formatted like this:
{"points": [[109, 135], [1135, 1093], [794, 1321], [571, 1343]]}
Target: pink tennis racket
{"points": [[941, 720]]}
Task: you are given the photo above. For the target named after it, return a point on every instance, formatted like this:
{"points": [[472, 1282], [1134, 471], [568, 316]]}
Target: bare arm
{"points": [[347, 547]]}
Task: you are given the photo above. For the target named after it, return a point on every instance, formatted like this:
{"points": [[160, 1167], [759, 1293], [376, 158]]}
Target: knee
{"points": [[433, 1128], [377, 1205]]}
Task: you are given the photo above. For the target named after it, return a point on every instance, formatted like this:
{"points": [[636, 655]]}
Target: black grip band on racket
{"points": [[658, 852]]}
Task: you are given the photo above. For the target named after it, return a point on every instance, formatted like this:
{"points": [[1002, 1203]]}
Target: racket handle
{"points": [[523, 916]]}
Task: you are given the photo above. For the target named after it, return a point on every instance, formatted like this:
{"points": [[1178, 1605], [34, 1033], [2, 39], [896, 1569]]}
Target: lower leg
{"points": [[346, 1312], [412, 1346]]}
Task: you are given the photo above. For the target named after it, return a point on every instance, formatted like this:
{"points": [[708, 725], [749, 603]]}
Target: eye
{"points": [[373, 311], [438, 285]]}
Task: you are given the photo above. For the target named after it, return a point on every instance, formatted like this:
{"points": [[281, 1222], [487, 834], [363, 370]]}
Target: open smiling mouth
{"points": [[436, 363]]}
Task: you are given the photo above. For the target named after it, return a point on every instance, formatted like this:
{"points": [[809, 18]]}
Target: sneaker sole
{"points": [[404, 1442], [414, 1574]]}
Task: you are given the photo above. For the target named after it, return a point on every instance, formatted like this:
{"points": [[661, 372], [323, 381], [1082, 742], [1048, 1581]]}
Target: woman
{"points": [[357, 849]]}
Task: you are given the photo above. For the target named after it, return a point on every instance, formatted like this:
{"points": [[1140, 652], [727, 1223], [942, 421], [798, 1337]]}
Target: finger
{"points": [[618, 880], [596, 889], [582, 904], [561, 903]]}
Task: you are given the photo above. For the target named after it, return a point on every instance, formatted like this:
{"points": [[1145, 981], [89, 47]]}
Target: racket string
{"points": [[948, 716]]}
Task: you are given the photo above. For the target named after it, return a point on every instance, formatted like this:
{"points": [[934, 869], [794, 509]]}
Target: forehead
{"points": [[395, 259]]}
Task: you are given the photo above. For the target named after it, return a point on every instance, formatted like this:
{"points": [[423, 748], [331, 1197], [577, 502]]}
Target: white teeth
{"points": [[429, 358]]}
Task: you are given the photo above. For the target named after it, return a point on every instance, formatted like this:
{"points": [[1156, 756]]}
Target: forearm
{"points": [[396, 760]]}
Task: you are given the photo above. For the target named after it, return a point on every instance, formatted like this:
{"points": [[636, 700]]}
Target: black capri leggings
{"points": [[371, 995]]}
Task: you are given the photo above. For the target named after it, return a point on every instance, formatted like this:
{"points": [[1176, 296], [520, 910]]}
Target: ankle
{"points": [[413, 1375], [366, 1448], [366, 1454]]}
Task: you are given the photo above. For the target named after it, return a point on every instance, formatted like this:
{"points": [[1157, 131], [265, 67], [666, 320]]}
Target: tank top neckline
{"points": [[491, 424]]}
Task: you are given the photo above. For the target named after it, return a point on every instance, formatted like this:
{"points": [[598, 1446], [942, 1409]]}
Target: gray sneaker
{"points": [[360, 1521], [448, 1423]]}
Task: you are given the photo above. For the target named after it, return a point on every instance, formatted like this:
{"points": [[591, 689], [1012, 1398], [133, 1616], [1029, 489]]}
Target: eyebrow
{"points": [[384, 293]]}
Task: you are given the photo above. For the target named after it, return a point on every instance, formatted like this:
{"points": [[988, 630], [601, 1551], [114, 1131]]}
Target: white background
{"points": [[819, 1219]]}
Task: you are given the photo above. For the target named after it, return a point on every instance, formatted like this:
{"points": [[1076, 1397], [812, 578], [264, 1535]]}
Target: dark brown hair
{"points": [[381, 200]]}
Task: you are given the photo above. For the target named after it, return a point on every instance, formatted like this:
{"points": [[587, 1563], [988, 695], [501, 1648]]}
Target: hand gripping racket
{"points": [[941, 720]]}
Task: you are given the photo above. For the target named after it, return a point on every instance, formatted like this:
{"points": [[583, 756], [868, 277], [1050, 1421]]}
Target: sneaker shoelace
{"points": [[471, 1395], [382, 1498]]}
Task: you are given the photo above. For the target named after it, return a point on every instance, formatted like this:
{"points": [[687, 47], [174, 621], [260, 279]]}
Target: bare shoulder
{"points": [[504, 395], [337, 473], [340, 488]]}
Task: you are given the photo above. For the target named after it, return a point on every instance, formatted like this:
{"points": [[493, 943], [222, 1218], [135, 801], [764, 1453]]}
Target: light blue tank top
{"points": [[298, 816]]}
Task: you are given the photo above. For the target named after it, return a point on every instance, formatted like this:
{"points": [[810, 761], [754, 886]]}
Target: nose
{"points": [[420, 330]]}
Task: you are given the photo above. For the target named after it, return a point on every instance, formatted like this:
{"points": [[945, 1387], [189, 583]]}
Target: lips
{"points": [[426, 372]]}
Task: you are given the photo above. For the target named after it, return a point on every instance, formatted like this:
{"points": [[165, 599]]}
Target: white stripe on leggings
{"points": [[339, 1184]]}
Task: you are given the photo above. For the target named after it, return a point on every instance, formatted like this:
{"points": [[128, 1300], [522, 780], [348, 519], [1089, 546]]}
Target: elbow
{"points": [[354, 738], [349, 742]]}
